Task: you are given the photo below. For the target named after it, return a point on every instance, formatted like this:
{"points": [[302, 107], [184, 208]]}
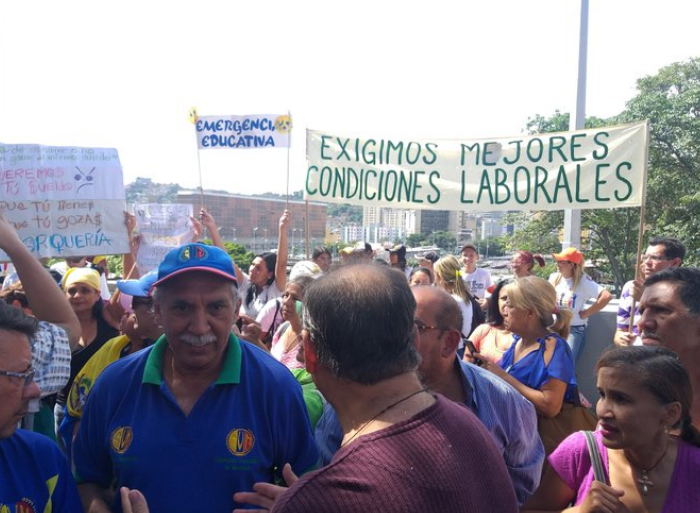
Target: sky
{"points": [[125, 74]]}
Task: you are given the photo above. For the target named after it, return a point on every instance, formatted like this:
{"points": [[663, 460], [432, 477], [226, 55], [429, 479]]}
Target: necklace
{"points": [[395, 403], [644, 480]]}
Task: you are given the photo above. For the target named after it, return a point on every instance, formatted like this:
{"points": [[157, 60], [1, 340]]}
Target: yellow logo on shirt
{"points": [[121, 439], [240, 441]]}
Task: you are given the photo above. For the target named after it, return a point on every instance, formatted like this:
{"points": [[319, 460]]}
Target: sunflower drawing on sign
{"points": [[283, 124]]}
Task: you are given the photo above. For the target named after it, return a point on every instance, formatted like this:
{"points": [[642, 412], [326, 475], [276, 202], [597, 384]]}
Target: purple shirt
{"points": [[572, 463]]}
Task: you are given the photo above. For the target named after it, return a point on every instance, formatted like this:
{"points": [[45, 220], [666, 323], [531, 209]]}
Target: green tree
{"points": [[238, 254], [414, 240], [609, 235], [442, 239], [670, 100], [492, 246]]}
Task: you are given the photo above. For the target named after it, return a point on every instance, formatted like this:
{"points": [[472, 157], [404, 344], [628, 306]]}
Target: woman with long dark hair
{"points": [[492, 339]]}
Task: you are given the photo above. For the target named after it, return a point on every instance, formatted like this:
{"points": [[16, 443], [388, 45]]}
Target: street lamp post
{"points": [[303, 242], [294, 230], [265, 247], [255, 235], [234, 235]]}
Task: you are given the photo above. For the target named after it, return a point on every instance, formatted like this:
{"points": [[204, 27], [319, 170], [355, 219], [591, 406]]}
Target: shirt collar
{"points": [[470, 396], [230, 372]]}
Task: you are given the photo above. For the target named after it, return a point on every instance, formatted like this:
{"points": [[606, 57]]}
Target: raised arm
{"points": [[210, 224], [46, 299], [283, 251], [129, 259]]}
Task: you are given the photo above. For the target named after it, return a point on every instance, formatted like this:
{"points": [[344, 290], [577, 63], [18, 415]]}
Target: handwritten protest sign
{"points": [[253, 131], [64, 201], [162, 227], [598, 168]]}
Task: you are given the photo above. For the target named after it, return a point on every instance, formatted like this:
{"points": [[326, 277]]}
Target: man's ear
{"points": [[156, 313], [450, 342], [309, 353]]}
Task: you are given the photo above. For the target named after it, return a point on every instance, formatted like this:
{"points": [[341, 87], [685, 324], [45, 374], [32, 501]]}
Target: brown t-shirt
{"points": [[441, 460]]}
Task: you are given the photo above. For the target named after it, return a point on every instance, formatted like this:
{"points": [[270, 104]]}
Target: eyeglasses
{"points": [[654, 258], [28, 376], [423, 328]]}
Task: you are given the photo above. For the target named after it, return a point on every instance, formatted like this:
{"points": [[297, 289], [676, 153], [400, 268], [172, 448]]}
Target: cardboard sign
{"points": [[162, 227], [64, 201]]}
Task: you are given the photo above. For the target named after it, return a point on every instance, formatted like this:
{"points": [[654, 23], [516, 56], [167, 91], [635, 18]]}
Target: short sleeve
{"points": [[266, 316], [561, 366], [572, 463], [593, 289], [51, 358]]}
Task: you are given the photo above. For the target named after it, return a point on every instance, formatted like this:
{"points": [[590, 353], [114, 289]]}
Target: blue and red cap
{"points": [[196, 257]]}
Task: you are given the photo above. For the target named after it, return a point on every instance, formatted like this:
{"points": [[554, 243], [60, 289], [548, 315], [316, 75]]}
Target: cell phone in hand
{"points": [[470, 345]]}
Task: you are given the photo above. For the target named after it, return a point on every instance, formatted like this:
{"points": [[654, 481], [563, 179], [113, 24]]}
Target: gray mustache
{"points": [[197, 340], [648, 334]]}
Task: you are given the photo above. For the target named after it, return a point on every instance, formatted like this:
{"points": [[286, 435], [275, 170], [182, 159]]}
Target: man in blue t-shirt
{"points": [[34, 475], [199, 415]]}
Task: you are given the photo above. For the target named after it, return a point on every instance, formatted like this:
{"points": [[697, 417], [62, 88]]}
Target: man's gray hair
{"points": [[160, 290]]}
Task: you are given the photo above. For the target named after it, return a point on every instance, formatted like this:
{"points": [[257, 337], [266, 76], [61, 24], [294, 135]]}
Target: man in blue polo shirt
{"points": [[198, 416], [34, 475]]}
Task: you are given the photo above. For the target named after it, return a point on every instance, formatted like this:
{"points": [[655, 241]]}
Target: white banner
{"points": [[251, 131], [162, 228], [596, 168], [64, 201]]}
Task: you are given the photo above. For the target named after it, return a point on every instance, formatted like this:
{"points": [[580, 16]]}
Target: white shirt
{"points": [[577, 299], [478, 282]]}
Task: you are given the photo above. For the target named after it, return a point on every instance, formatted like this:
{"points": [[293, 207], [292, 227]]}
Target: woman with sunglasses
{"points": [[574, 289]]}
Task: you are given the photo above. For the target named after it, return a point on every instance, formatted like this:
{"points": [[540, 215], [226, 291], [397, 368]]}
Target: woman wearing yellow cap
{"points": [[82, 288], [574, 289]]}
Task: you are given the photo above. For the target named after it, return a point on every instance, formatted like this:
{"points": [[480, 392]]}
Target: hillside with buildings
{"points": [[253, 220]]}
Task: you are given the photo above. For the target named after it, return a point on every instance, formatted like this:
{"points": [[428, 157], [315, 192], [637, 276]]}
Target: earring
{"points": [[665, 430]]}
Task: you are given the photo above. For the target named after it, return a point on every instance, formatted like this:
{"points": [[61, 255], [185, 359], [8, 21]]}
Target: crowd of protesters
{"points": [[202, 387]]}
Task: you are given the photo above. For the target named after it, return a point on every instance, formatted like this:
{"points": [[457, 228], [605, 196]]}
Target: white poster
{"points": [[596, 168], [243, 132], [162, 227], [64, 201]]}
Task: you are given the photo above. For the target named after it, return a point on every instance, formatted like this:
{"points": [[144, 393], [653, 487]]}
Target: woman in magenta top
{"points": [[649, 449]]}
